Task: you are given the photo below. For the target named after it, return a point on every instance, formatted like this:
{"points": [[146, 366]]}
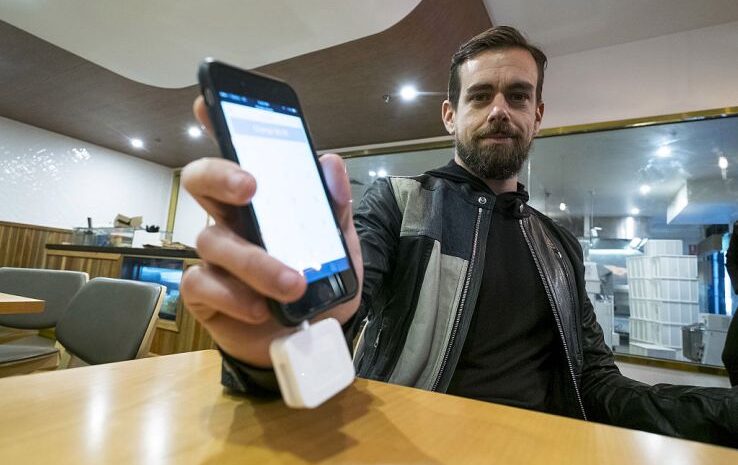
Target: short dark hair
{"points": [[495, 38]]}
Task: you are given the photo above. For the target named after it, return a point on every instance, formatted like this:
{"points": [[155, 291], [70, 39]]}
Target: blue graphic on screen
{"points": [[294, 216]]}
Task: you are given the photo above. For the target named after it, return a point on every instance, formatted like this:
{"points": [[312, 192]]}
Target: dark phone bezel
{"points": [[216, 76]]}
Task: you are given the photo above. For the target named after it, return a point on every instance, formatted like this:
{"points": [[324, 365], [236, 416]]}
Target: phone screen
{"points": [[291, 207]]}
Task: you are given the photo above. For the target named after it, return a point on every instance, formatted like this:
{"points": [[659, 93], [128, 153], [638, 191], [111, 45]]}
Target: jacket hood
{"points": [[455, 172]]}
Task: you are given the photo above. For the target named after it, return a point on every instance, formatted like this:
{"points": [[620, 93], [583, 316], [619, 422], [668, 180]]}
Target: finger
{"points": [[250, 263], [221, 213], [214, 181], [339, 186], [205, 287], [245, 342], [201, 114]]}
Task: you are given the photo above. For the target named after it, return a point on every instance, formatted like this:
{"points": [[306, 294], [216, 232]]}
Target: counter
{"points": [[135, 251]]}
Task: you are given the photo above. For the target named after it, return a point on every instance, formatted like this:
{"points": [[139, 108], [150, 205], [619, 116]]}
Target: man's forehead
{"points": [[509, 63]]}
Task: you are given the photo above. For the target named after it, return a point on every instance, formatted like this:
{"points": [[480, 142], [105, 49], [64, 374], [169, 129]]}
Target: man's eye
{"points": [[519, 97], [480, 97]]}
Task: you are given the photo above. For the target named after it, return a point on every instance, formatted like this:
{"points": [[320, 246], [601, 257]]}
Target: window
{"points": [[653, 207]]}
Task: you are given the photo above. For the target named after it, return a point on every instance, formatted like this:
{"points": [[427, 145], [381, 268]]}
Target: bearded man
{"points": [[467, 290]]}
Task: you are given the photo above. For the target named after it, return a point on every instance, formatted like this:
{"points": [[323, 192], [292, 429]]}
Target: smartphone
{"points": [[259, 124]]}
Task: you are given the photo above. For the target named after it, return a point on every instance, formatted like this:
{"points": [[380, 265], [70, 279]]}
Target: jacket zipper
{"points": [[465, 291], [563, 265], [556, 317]]}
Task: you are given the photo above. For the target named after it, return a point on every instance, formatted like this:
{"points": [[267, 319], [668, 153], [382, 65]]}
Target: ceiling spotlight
{"points": [[372, 173], [408, 93], [635, 211], [663, 151], [562, 206], [382, 173], [137, 143], [194, 132], [723, 163], [645, 189]]}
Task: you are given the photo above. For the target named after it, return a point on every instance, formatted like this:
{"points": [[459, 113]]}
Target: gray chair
{"points": [[109, 320], [55, 287]]}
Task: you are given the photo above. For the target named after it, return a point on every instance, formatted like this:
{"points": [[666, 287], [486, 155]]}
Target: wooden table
{"points": [[10, 303], [172, 409]]}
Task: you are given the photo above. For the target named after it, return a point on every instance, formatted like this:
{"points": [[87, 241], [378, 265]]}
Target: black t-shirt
{"points": [[511, 351]]}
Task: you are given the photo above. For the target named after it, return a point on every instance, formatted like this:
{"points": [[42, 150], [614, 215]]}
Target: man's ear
{"points": [[539, 117], [448, 115]]}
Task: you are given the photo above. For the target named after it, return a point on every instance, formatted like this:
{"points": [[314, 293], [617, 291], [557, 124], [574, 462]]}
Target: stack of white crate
{"points": [[605, 313], [603, 305], [592, 281], [664, 295]]}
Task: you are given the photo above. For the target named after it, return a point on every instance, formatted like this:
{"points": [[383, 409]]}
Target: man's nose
{"points": [[499, 110]]}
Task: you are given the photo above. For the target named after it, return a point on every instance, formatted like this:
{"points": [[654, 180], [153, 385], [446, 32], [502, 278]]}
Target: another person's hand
{"points": [[228, 292]]}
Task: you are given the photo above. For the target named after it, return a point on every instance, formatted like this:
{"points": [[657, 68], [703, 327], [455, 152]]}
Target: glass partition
{"points": [[653, 206]]}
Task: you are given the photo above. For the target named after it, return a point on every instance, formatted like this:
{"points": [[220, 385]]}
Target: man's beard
{"points": [[497, 161]]}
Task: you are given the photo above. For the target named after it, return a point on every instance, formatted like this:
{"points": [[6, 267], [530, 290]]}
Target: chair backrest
{"points": [[111, 320], [55, 287]]}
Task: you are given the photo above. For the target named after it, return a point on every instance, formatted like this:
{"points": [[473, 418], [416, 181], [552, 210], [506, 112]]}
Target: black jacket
{"points": [[730, 351], [423, 255], [731, 258]]}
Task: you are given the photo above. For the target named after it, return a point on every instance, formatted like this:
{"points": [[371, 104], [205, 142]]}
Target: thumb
{"points": [[337, 179]]}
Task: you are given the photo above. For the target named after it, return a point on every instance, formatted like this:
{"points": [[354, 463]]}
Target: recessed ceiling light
{"points": [[372, 173], [635, 211], [408, 93], [382, 173], [645, 189], [137, 143], [723, 163], [562, 206], [194, 132], [663, 151]]}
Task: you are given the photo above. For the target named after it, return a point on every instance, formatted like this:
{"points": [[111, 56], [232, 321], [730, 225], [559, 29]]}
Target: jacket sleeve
{"points": [[696, 413], [378, 221], [730, 351], [731, 258], [242, 378]]}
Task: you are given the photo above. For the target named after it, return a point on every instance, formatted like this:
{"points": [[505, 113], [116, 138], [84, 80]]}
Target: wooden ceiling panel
{"points": [[340, 88]]}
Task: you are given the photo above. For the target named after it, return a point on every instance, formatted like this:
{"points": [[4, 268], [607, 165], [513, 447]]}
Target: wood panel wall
{"points": [[95, 264], [189, 336], [23, 245]]}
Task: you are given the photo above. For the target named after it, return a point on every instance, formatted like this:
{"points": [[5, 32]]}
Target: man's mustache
{"points": [[498, 130]]}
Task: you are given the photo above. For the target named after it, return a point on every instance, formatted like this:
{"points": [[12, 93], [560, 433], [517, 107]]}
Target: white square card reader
{"points": [[313, 364]]}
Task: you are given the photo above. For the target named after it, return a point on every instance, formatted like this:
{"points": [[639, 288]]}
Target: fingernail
{"points": [[288, 280]]}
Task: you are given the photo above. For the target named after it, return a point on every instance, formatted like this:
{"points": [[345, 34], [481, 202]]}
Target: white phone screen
{"points": [[295, 218]]}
